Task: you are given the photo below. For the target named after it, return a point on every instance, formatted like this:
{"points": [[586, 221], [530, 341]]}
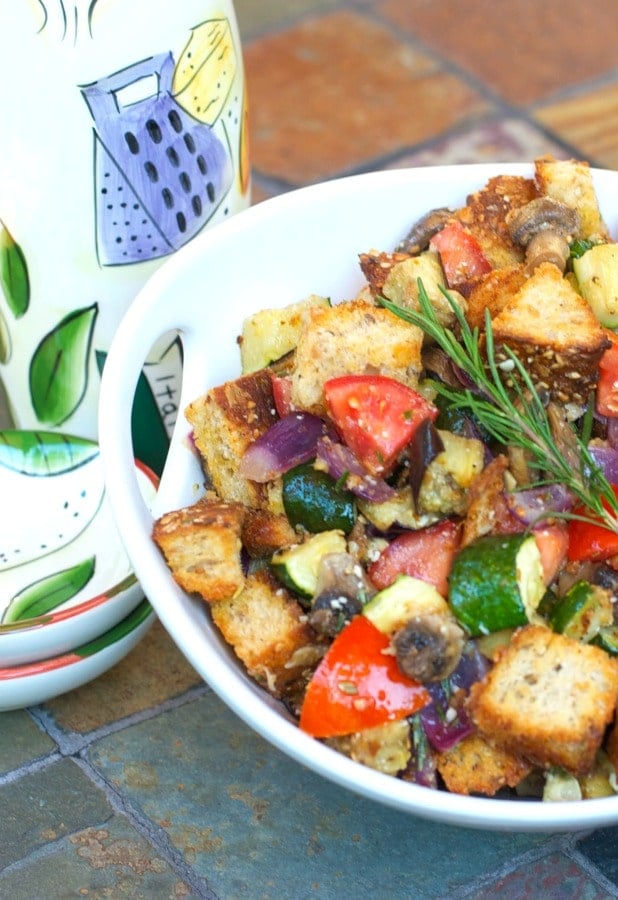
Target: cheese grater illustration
{"points": [[160, 173]]}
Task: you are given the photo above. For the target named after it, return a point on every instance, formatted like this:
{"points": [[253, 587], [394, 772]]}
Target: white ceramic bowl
{"points": [[65, 577], [37, 682], [277, 252]]}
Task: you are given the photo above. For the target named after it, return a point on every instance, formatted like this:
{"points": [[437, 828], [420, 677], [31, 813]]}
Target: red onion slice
{"points": [[291, 441], [533, 505], [341, 462], [606, 459]]}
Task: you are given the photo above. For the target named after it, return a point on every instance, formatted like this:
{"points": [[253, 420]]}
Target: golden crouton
{"points": [[570, 182], [202, 546], [485, 212], [352, 338], [611, 746], [554, 333], [492, 292], [487, 510], [548, 698], [473, 766], [268, 631], [226, 421], [263, 532], [376, 265]]}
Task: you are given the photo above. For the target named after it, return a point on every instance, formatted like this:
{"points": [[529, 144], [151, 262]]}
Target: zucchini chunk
{"points": [[271, 333], [316, 502], [393, 607], [297, 566], [597, 276], [496, 582], [582, 611]]}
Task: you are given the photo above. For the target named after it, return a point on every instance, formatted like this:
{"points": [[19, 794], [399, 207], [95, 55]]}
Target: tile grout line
{"points": [[156, 836]]}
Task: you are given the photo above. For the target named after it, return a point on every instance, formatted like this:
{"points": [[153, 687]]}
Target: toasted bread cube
{"points": [[226, 421], [263, 532], [485, 212], [473, 766], [202, 546], [268, 631], [352, 338], [548, 698], [492, 292], [554, 333], [376, 266], [570, 181]]}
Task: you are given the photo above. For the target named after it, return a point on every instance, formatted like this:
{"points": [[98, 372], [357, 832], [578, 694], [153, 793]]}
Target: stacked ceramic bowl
{"points": [[70, 604]]}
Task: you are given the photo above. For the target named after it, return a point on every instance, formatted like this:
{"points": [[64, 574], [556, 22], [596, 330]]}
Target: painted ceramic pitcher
{"points": [[124, 134]]}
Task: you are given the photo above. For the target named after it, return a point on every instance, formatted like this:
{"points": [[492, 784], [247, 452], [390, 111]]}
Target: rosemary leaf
{"points": [[515, 417]]}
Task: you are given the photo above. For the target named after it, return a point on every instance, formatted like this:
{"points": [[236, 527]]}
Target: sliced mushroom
{"points": [[544, 227], [429, 647], [417, 239], [342, 589]]}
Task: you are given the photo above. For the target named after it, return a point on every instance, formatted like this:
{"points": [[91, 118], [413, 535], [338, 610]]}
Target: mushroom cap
{"points": [[541, 214]]}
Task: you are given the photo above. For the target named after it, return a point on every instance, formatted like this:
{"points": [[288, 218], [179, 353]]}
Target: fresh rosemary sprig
{"points": [[514, 416]]}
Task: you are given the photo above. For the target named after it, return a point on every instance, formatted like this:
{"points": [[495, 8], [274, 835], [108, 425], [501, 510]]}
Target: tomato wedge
{"points": [[461, 254], [588, 541], [282, 394], [426, 554], [358, 685], [376, 416], [607, 387]]}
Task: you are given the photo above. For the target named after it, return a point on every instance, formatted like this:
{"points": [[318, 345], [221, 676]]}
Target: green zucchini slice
{"points": [[401, 601], [297, 566], [582, 611], [316, 502], [496, 583]]}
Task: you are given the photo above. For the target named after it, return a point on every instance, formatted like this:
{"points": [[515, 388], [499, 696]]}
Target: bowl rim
{"points": [[173, 605]]}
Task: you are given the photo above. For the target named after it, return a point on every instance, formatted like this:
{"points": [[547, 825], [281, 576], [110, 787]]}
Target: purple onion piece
{"points": [[612, 431], [444, 725], [606, 459], [292, 440], [534, 505], [341, 462]]}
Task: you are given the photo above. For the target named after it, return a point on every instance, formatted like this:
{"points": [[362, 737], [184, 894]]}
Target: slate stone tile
{"points": [[21, 741], [248, 819], [153, 672], [45, 805], [105, 861], [337, 92], [601, 848], [554, 877]]}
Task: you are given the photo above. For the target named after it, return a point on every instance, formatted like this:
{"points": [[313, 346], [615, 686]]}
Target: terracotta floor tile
{"points": [[257, 16], [153, 672], [507, 140], [589, 122], [339, 92], [524, 51]]}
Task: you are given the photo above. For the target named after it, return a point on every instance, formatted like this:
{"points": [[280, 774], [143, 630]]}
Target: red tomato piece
{"points": [[607, 387], [358, 685], [553, 544], [588, 541], [376, 416], [426, 554], [461, 254], [282, 394]]}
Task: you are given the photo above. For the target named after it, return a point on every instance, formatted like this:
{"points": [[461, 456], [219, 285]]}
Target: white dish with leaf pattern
{"points": [[37, 682], [65, 577]]}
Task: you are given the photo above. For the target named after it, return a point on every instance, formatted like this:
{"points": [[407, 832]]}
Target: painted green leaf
{"points": [[5, 340], [43, 596], [59, 367], [122, 629], [13, 273], [150, 438], [44, 452]]}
